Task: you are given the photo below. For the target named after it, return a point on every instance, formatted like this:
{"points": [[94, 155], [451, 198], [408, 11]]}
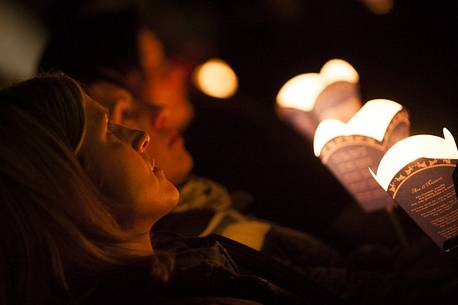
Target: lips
{"points": [[151, 164], [159, 173]]}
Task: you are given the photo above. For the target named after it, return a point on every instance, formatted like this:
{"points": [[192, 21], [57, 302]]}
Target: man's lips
{"points": [[175, 138], [153, 167]]}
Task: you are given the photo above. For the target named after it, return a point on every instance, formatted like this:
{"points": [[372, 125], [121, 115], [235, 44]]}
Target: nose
{"points": [[178, 74], [141, 141], [138, 139], [175, 116], [160, 121]]}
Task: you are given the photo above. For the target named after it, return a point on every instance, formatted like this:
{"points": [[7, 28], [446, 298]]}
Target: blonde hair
{"points": [[53, 217]]}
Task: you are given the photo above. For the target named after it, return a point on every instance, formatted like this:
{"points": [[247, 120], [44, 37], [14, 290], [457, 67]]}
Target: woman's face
{"points": [[114, 158]]}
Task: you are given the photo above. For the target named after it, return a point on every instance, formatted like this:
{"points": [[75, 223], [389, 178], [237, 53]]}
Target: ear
{"points": [[120, 111]]}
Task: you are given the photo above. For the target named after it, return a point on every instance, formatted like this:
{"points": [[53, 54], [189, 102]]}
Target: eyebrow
{"points": [[96, 125], [105, 119], [153, 109], [106, 112], [102, 113]]}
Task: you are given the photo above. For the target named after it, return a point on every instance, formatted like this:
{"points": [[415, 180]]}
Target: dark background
{"points": [[408, 55]]}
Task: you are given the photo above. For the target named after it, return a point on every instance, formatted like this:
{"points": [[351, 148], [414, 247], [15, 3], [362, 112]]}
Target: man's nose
{"points": [[160, 121], [178, 74], [138, 139]]}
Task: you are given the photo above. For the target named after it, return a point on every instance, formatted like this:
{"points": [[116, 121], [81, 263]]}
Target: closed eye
{"points": [[113, 133], [105, 121]]}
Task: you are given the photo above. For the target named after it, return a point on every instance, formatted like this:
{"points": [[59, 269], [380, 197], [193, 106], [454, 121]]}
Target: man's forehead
{"points": [[150, 108], [109, 92], [92, 106]]}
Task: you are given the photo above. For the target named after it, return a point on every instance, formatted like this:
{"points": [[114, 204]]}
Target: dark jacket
{"points": [[211, 270], [216, 270]]}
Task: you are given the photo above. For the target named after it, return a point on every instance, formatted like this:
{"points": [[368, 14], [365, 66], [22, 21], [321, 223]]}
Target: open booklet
{"points": [[348, 149], [417, 173], [307, 99]]}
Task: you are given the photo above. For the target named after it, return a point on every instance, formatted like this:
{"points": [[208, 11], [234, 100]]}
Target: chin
{"points": [[174, 199], [187, 166], [178, 178], [178, 175], [167, 203]]}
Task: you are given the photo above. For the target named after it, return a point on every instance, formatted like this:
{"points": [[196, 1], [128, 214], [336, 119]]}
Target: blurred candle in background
{"points": [[307, 99], [336, 70], [379, 7], [216, 78], [301, 92]]}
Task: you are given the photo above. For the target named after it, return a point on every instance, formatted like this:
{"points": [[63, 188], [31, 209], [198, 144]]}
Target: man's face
{"points": [[166, 145], [165, 82]]}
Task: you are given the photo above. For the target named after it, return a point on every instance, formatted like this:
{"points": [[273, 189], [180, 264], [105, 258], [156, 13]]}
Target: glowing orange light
{"points": [[379, 7], [216, 78], [411, 149]]}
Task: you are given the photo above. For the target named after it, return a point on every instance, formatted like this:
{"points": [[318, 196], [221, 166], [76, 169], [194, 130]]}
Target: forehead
{"points": [[94, 111], [148, 109], [94, 118], [150, 49], [107, 93]]}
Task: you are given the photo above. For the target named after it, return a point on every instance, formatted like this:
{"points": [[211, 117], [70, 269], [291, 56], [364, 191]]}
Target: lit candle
{"points": [[307, 99], [417, 172], [349, 149], [216, 78]]}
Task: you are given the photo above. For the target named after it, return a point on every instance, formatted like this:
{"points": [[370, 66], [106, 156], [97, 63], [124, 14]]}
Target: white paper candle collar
{"points": [[302, 91], [371, 120], [336, 70], [411, 149]]}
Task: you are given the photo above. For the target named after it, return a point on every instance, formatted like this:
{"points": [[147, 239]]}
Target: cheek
{"points": [[157, 150], [131, 180], [121, 175], [135, 195], [150, 202]]}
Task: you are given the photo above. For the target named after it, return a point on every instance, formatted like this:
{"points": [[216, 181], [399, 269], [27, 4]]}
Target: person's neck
{"points": [[140, 244]]}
